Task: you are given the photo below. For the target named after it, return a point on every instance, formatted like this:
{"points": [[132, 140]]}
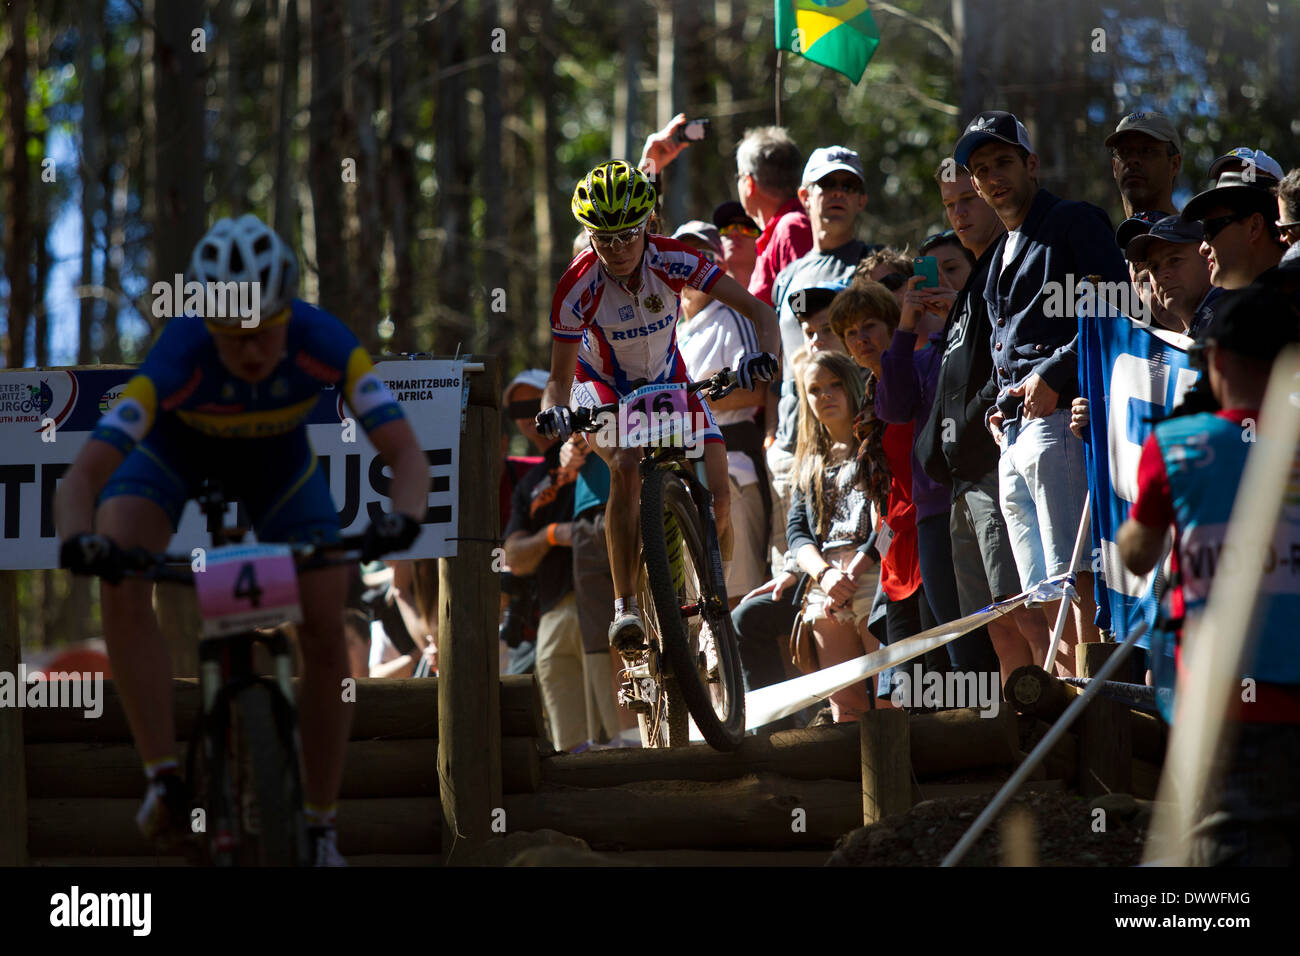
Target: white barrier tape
{"points": [[771, 703]]}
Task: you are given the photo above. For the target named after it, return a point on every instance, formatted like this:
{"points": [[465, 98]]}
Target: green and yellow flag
{"points": [[839, 34]]}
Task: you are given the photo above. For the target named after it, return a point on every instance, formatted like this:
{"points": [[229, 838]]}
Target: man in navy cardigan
{"points": [[1051, 245]]}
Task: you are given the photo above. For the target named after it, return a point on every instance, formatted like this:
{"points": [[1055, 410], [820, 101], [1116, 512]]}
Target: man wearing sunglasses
{"points": [[614, 325], [1239, 218], [1288, 205]]}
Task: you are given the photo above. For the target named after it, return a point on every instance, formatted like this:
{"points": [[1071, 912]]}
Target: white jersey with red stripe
{"points": [[628, 337]]}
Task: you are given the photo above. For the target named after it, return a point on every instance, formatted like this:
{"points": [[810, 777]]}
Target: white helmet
{"points": [[246, 250]]}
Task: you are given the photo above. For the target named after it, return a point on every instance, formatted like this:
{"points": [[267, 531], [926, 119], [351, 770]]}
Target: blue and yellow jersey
{"points": [[182, 379]]}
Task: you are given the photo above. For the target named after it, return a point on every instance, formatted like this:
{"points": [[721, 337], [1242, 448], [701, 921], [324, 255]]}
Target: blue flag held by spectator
{"points": [[1132, 374]]}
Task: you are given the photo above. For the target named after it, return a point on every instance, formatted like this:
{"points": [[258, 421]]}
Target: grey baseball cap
{"points": [[1156, 125], [1170, 229]]}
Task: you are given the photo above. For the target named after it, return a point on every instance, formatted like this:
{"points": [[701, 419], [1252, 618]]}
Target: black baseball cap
{"points": [[1169, 229], [1256, 322], [731, 213], [989, 127], [1136, 225], [1237, 192], [815, 298]]}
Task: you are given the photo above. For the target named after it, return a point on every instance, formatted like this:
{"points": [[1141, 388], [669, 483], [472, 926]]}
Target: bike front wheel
{"points": [[278, 834], [684, 575]]}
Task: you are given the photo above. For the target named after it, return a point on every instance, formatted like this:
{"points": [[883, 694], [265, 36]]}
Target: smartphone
{"points": [[927, 266], [692, 131]]}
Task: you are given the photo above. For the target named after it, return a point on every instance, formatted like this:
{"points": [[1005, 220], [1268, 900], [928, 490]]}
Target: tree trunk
{"points": [[549, 221], [178, 95], [493, 265], [451, 142], [328, 132], [107, 176], [402, 197], [284, 198], [364, 310], [18, 230]]}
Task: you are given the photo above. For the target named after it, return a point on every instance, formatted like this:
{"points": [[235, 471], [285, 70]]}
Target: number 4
{"points": [[246, 585]]}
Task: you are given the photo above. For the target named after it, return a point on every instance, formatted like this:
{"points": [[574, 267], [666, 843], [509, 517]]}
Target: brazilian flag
{"points": [[839, 34]]}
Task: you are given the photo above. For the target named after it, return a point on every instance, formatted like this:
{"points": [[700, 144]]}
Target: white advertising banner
{"points": [[47, 415]]}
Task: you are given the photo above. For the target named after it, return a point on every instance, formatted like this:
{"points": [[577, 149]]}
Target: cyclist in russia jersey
{"points": [[183, 383], [626, 337]]}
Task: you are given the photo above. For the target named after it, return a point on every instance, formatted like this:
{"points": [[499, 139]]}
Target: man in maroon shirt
{"points": [[768, 169]]}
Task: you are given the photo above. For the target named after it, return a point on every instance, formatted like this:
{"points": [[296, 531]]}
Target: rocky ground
{"points": [[1066, 831]]}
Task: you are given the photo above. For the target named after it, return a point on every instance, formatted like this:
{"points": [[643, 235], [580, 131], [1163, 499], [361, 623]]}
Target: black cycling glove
{"points": [[388, 533], [92, 554]]}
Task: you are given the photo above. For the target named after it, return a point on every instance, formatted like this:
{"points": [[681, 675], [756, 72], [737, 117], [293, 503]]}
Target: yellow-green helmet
{"points": [[613, 196]]}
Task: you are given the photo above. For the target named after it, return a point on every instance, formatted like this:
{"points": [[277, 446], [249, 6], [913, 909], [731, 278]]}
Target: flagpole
{"points": [[778, 88]]}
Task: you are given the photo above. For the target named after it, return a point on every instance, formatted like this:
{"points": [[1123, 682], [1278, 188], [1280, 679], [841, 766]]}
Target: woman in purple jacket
{"points": [[905, 393]]}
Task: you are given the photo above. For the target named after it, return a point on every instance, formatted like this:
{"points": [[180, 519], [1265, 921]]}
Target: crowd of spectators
{"points": [[919, 457]]}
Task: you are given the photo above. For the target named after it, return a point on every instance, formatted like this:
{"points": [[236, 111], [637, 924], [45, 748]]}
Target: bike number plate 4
{"points": [[247, 586], [655, 415]]}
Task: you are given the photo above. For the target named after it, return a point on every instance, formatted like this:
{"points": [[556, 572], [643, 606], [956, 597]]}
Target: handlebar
{"points": [[720, 385], [139, 563]]}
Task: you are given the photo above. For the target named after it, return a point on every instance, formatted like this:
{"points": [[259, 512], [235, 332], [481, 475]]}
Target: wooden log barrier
{"points": [[1032, 691], [886, 764], [373, 768], [955, 740], [402, 708], [755, 811], [946, 742], [105, 826]]}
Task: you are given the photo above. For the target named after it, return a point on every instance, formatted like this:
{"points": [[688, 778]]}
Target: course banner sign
{"points": [[47, 415]]}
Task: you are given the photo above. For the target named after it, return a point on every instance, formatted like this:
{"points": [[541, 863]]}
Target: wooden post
{"points": [[469, 691], [1088, 659], [13, 765], [886, 764], [1105, 734]]}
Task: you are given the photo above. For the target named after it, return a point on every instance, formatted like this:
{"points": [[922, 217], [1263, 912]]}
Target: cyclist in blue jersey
{"points": [[215, 400]]}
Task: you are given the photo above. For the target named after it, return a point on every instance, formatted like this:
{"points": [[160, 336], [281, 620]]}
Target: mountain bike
{"points": [[243, 759], [691, 665]]}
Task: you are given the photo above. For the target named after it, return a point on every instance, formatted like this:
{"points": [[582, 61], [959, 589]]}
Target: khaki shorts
{"points": [[747, 568], [817, 602]]}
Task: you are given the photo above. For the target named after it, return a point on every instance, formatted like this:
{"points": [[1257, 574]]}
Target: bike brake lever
{"points": [[715, 393]]}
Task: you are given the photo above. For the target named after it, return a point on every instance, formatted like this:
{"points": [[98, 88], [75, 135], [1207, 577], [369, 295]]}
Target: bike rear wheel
{"points": [[684, 575], [665, 723]]}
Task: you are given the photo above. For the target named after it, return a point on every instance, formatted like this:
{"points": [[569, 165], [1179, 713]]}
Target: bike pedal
{"points": [[626, 698]]}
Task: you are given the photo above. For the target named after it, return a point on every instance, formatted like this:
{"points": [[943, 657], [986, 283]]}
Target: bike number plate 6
{"points": [[655, 415], [247, 586]]}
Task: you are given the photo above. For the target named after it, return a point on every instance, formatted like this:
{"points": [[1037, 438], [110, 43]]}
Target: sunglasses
{"points": [[938, 239], [1219, 223], [616, 240], [1149, 151], [739, 229], [894, 281], [844, 184]]}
